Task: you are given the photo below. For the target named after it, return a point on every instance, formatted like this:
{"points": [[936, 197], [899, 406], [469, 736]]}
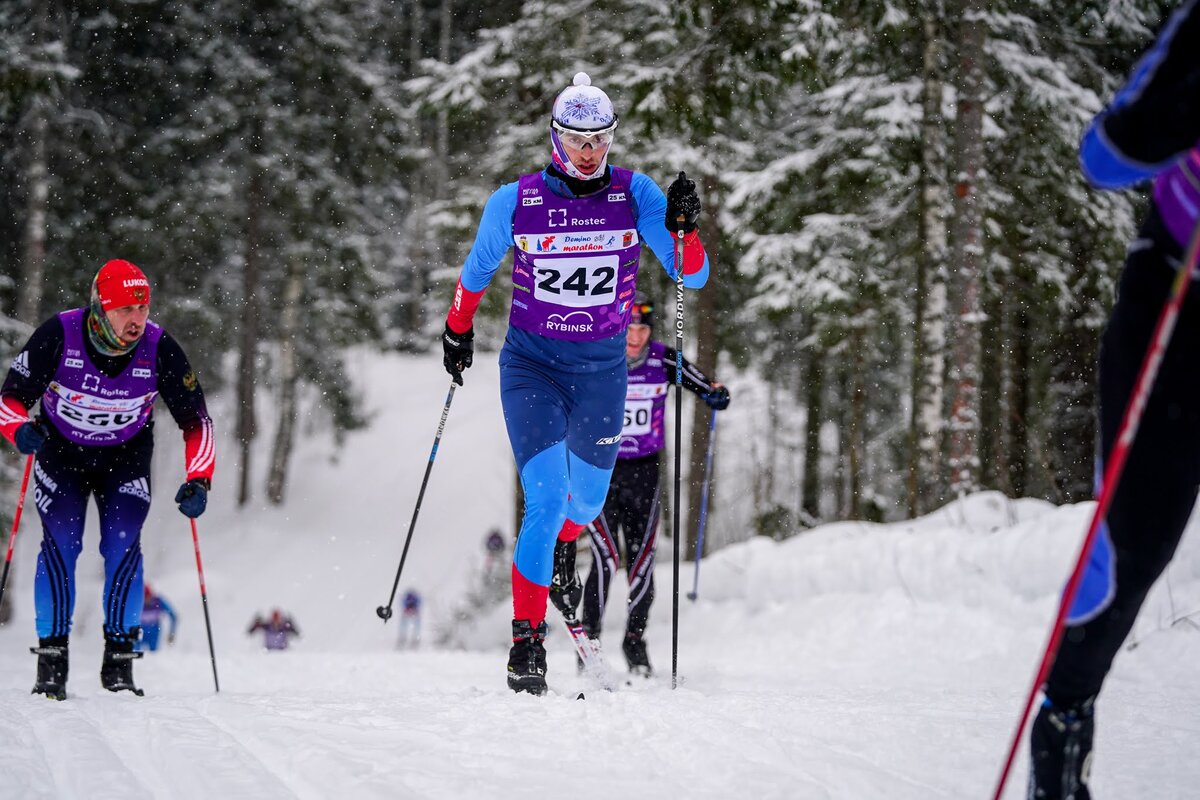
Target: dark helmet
{"points": [[642, 312]]}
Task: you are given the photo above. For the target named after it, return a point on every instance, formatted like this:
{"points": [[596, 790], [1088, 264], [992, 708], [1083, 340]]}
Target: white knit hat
{"points": [[583, 107]]}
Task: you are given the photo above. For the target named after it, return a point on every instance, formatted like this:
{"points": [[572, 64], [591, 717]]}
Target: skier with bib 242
{"points": [[577, 227], [97, 371]]}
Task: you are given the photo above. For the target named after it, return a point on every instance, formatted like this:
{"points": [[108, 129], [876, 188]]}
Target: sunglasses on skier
{"points": [[577, 140]]}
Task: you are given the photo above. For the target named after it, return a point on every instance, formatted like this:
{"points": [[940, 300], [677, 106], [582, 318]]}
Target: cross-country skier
{"points": [[1150, 130], [410, 620], [577, 227], [632, 505], [278, 629], [154, 608], [97, 371]]}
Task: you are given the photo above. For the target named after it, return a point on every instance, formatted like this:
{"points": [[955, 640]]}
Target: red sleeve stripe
{"points": [[13, 415], [693, 253], [201, 451], [462, 310]]}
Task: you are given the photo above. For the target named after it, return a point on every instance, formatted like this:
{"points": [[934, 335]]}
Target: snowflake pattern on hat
{"points": [[580, 109]]}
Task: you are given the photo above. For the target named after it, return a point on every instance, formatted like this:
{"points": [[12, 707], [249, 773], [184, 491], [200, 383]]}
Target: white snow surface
{"points": [[854, 661]]}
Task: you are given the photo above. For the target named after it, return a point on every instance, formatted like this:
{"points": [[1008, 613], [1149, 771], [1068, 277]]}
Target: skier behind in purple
{"points": [[97, 371], [410, 620], [632, 504], [154, 608], [1149, 131], [277, 629], [577, 226]]}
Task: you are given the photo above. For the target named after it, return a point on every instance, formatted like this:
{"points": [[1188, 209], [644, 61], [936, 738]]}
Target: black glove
{"points": [[192, 497], [459, 349], [682, 201], [30, 437], [717, 399]]}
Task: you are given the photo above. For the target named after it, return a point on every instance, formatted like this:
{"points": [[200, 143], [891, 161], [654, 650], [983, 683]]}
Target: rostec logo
{"points": [[558, 217], [73, 363], [531, 201], [21, 363], [91, 382], [139, 488]]}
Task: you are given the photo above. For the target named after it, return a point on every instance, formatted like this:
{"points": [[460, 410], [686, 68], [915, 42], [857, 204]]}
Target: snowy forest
{"points": [[904, 251]]}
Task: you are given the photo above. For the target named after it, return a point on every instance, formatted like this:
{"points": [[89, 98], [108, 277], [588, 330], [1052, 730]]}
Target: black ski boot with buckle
{"points": [[116, 671], [527, 658], [634, 648], [1061, 745], [51, 667]]}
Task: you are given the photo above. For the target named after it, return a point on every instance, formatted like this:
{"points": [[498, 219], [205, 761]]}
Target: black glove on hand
{"points": [[717, 399], [682, 201], [193, 497], [459, 349], [30, 437]]}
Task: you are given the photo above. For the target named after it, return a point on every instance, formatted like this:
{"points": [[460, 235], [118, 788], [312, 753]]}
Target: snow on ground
{"points": [[856, 661]]}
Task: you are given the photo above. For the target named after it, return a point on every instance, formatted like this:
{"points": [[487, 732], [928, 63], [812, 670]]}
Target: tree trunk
{"points": [[29, 290], [1019, 376], [967, 254], [929, 343], [814, 385], [289, 374], [247, 422], [856, 433], [705, 313]]}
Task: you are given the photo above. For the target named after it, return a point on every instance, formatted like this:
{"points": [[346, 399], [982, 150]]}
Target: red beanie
{"points": [[119, 283]]}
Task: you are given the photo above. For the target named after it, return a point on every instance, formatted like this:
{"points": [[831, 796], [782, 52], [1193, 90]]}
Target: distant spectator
{"points": [[277, 629], [154, 606]]}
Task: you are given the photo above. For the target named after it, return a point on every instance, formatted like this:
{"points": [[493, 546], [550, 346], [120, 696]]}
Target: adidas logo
{"points": [[21, 363], [139, 488]]}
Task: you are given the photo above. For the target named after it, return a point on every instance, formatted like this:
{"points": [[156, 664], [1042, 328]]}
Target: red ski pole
{"points": [[204, 601], [12, 537], [1112, 475]]}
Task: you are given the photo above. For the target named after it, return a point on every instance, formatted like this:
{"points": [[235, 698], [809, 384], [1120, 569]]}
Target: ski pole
{"points": [[678, 448], [385, 612], [12, 537], [212, 654], [712, 435], [1130, 420]]}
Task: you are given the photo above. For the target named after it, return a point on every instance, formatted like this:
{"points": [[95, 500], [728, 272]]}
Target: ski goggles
{"points": [[577, 140]]}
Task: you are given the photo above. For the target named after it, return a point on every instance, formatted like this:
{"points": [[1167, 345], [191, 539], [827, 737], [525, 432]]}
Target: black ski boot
{"points": [[527, 658], [566, 590], [636, 656], [1061, 744], [116, 671], [51, 667]]}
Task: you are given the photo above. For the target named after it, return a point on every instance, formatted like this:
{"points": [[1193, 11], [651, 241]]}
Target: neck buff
{"points": [[101, 333]]}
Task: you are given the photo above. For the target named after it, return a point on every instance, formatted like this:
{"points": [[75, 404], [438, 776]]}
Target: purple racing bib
{"points": [[1177, 195], [575, 260], [90, 408], [645, 406]]}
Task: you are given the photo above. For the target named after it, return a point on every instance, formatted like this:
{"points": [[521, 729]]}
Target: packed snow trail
{"points": [[854, 661]]}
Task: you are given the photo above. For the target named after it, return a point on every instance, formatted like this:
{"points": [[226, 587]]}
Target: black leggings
{"points": [[632, 506], [1157, 490]]}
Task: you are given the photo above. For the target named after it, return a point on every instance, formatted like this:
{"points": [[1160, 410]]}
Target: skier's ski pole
{"points": [[1130, 421], [12, 537], [212, 654], [678, 452], [712, 436], [385, 612]]}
